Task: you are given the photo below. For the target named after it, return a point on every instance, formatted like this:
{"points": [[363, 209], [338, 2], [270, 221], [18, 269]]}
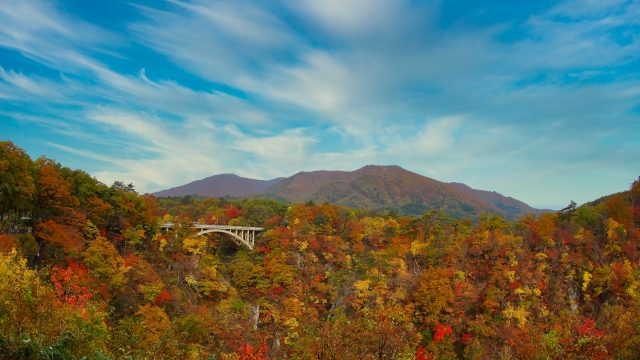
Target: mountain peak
{"points": [[221, 185], [379, 187]]}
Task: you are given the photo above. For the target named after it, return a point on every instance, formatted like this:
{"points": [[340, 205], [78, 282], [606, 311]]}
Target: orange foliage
{"points": [[7, 243], [53, 233], [68, 287]]}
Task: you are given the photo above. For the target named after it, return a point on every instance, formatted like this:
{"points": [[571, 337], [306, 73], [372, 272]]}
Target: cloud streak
{"points": [[528, 106]]}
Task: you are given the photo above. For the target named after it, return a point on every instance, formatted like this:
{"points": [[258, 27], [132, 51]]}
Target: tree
{"points": [[17, 187], [105, 264], [568, 212]]}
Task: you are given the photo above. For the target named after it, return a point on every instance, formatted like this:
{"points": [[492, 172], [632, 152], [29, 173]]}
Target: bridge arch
{"points": [[243, 236], [244, 239]]}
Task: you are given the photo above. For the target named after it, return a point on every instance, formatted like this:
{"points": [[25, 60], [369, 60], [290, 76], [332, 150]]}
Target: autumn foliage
{"points": [[98, 277]]}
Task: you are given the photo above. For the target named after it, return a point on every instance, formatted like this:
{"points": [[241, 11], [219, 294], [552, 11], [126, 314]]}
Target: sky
{"points": [[537, 100]]}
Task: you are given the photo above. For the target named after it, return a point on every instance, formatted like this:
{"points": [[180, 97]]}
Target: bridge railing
{"points": [[170, 225]]}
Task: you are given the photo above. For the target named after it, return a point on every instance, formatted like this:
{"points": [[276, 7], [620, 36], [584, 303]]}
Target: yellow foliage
{"points": [[163, 243], [632, 285], [195, 245], [153, 332], [434, 294], [373, 225], [191, 280], [303, 246], [31, 311], [151, 291], [418, 247], [293, 308], [537, 292], [612, 228], [362, 288], [518, 313], [523, 292], [105, 264], [586, 277], [541, 256], [399, 266]]}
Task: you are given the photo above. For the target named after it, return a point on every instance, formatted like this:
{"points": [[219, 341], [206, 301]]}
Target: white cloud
{"points": [[369, 71]]}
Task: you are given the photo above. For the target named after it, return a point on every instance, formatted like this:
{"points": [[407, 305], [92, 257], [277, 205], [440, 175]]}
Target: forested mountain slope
{"points": [[99, 278], [219, 186], [380, 187], [512, 207]]}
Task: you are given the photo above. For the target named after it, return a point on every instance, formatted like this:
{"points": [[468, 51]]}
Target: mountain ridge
{"points": [[219, 186], [388, 187], [380, 187], [510, 205]]}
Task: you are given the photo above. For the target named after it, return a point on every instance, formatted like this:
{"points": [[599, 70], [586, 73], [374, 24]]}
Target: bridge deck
{"points": [[241, 235], [170, 225]]}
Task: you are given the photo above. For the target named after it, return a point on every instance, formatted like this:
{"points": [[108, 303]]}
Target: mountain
{"points": [[508, 204], [220, 185], [380, 187], [603, 199]]}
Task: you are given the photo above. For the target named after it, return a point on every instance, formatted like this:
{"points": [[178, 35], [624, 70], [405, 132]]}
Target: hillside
{"points": [[219, 186], [508, 204], [87, 271], [380, 187]]}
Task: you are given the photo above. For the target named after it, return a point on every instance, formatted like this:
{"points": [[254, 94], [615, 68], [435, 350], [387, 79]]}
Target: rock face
{"points": [[220, 185]]}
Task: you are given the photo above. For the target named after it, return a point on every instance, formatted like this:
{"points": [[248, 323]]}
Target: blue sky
{"points": [[537, 100]]}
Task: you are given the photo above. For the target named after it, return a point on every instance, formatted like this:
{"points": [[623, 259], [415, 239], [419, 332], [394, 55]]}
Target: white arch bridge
{"points": [[243, 236]]}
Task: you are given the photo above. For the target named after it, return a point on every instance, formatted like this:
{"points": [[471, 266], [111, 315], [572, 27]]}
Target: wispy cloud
{"points": [[193, 88]]}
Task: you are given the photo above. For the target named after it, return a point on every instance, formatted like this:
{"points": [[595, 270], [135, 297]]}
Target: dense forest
{"points": [[86, 271]]}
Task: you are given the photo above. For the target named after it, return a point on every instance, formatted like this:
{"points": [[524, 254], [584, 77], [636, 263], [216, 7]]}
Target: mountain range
{"points": [[220, 186], [371, 187]]}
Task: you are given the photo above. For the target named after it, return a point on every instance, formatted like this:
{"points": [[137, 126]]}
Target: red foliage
{"points": [[466, 337], [264, 249], [588, 327], [277, 290], [514, 285], [131, 260], [163, 298], [441, 331], [68, 287], [421, 354], [248, 352], [233, 212], [118, 237]]}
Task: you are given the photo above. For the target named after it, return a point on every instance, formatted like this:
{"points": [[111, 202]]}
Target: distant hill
{"points": [[380, 187], [603, 199], [371, 187], [219, 186], [508, 204]]}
